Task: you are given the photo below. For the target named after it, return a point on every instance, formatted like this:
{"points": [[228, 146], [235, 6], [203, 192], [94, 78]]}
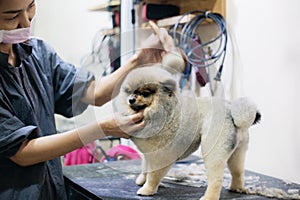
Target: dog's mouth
{"points": [[137, 108]]}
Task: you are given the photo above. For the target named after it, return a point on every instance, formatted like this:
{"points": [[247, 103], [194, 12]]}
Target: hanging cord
{"points": [[97, 44], [101, 52], [187, 37]]}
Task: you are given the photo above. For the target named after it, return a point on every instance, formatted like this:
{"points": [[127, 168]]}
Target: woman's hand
{"points": [[151, 51], [157, 45], [122, 126]]}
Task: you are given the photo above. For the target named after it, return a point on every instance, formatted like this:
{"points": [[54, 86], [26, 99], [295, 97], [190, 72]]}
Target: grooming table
{"points": [[116, 180]]}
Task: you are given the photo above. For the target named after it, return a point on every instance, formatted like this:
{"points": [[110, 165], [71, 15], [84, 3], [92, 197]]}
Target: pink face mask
{"points": [[15, 36]]}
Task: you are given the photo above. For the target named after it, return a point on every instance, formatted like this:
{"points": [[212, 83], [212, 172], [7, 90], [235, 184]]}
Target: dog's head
{"points": [[148, 87], [152, 90], [141, 97], [145, 86], [147, 94]]}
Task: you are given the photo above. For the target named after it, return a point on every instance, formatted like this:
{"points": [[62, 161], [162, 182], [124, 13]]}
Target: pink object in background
{"points": [[83, 155], [120, 152]]}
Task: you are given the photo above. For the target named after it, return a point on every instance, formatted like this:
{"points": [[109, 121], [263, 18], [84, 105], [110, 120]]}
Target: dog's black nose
{"points": [[131, 100]]}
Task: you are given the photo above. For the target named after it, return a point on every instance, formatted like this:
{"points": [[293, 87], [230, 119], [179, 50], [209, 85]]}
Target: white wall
{"points": [[267, 34], [69, 27]]}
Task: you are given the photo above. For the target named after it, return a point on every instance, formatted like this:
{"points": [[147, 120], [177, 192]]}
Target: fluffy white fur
{"points": [[174, 62], [176, 125]]}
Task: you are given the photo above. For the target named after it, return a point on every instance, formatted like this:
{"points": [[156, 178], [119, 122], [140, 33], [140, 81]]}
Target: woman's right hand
{"points": [[156, 46]]}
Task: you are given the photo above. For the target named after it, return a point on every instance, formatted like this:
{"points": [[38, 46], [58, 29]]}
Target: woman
{"points": [[34, 85]]}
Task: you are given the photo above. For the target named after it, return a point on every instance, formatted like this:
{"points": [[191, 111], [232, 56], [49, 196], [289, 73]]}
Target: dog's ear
{"points": [[169, 86]]}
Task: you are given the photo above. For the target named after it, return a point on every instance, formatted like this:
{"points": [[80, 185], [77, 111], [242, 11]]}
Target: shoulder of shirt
{"points": [[36, 42]]}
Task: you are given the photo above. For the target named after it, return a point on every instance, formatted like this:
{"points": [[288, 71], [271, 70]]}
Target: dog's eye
{"points": [[146, 93]]}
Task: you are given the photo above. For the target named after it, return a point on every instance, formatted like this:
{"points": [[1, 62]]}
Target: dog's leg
{"points": [[141, 179], [236, 166], [152, 181], [215, 159], [215, 173]]}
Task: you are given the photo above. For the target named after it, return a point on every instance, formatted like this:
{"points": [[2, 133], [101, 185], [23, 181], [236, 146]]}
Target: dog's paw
{"points": [[208, 198], [141, 179], [204, 198], [238, 190], [146, 191]]}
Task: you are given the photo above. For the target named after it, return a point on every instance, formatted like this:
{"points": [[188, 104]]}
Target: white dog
{"points": [[176, 124]]}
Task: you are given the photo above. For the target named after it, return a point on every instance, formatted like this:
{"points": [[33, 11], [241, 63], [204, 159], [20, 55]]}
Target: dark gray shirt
{"points": [[30, 94]]}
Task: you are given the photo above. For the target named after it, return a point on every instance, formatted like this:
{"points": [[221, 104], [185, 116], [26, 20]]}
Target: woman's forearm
{"points": [[49, 147]]}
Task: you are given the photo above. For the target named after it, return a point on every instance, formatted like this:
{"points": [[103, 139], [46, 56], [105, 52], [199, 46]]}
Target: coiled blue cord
{"points": [[188, 35]]}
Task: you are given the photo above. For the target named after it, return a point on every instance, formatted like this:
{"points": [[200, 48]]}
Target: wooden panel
{"points": [[218, 6]]}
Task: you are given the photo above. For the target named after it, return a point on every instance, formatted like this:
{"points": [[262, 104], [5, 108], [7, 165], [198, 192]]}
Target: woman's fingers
{"points": [[166, 40], [125, 126], [132, 129], [137, 117], [154, 27]]}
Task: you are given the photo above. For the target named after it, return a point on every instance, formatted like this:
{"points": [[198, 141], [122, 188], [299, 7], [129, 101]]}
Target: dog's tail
{"points": [[244, 113]]}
